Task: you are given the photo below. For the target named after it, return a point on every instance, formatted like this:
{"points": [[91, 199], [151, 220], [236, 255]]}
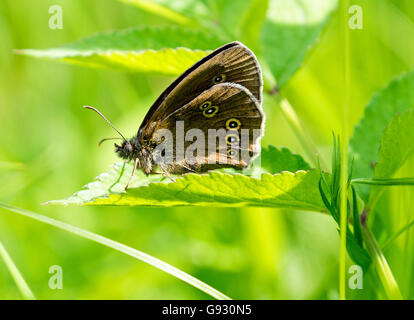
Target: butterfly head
{"points": [[129, 149]]}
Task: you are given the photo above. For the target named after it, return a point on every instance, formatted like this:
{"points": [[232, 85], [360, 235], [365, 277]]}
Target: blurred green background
{"points": [[245, 253]]}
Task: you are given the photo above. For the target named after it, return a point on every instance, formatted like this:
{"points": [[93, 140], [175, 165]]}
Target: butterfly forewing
{"points": [[232, 63]]}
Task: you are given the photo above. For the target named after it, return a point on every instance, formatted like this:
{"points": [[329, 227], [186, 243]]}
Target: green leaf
{"points": [[290, 29], [397, 97], [357, 253], [150, 50], [231, 16], [395, 148], [283, 190], [252, 24], [276, 160]]}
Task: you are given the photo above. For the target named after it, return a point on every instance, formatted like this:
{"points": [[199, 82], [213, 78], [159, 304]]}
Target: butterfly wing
{"points": [[233, 62], [235, 115]]}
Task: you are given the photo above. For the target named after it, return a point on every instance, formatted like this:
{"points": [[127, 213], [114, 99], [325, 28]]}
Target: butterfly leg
{"points": [[165, 173], [133, 173], [186, 167], [119, 178]]}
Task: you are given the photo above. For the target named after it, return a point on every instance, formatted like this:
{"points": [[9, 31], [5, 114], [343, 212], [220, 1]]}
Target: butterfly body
{"points": [[221, 92], [133, 150]]}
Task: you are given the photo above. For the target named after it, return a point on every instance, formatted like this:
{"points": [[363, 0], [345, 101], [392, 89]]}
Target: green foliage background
{"points": [[48, 150]]}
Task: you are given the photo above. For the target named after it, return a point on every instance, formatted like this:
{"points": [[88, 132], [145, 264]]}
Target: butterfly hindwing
{"points": [[228, 107]]}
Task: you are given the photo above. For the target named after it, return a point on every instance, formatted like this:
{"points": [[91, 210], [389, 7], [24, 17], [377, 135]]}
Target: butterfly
{"points": [[221, 92]]}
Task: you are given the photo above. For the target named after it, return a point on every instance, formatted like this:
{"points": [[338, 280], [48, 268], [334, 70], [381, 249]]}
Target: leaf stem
{"points": [[385, 182], [381, 265], [17, 276], [161, 265]]}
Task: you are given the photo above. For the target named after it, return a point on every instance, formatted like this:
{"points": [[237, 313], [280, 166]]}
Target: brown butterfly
{"points": [[220, 93]]}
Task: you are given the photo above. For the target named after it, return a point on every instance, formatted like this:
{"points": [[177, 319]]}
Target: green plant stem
{"points": [[17, 276], [304, 139], [292, 119], [381, 265], [344, 153], [161, 265], [343, 226]]}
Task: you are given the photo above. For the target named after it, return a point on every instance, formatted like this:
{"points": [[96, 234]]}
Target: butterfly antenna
{"points": [[106, 139], [98, 112]]}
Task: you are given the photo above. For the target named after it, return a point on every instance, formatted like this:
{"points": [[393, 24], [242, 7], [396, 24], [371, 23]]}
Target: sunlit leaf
{"points": [[290, 29], [284, 190], [396, 147], [150, 50], [397, 97], [275, 160]]}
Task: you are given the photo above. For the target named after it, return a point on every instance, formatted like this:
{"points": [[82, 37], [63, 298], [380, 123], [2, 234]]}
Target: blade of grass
{"points": [[15, 273], [326, 201], [161, 265], [395, 236]]}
